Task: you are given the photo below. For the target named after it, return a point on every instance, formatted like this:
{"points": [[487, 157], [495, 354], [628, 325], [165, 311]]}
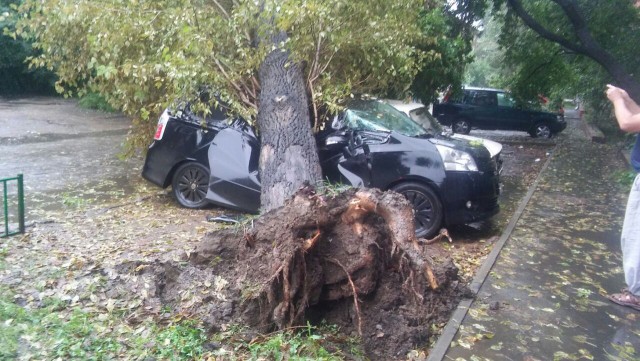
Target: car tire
{"points": [[427, 207], [461, 126], [541, 130], [190, 184]]}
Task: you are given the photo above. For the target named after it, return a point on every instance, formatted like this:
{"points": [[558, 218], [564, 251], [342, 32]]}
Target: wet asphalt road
{"points": [[65, 153], [545, 297]]}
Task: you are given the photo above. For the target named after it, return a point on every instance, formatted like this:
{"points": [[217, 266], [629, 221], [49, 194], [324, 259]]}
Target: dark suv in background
{"points": [[484, 108]]}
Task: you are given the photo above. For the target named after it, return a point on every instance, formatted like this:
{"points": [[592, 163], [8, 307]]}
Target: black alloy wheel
{"points": [[426, 205], [190, 183], [541, 130], [461, 126]]}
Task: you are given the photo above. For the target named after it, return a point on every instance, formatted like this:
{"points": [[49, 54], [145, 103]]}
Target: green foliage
{"points": [[95, 101], [182, 341], [144, 55], [537, 66], [625, 178], [488, 68], [332, 189], [306, 343], [17, 77], [57, 331], [448, 35], [70, 335], [73, 201]]}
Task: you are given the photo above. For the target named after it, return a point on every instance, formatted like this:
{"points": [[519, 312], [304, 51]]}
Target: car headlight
{"points": [[457, 160]]}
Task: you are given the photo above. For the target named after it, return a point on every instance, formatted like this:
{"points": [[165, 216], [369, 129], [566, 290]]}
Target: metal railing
{"points": [[7, 231]]}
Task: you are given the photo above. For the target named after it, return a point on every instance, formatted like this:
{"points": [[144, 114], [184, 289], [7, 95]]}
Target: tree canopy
{"points": [[17, 77], [563, 47], [144, 54], [449, 32]]}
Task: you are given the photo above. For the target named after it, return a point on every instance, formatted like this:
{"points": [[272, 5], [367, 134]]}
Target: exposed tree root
{"points": [[314, 250], [443, 234], [355, 295], [321, 248]]}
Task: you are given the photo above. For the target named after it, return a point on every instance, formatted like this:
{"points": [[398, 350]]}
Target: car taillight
{"points": [[162, 124]]}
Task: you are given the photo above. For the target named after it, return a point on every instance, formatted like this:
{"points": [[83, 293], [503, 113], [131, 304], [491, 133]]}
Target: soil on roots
{"points": [[350, 260]]}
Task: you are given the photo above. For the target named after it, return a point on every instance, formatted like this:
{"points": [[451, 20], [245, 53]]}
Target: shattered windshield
{"points": [[377, 116]]}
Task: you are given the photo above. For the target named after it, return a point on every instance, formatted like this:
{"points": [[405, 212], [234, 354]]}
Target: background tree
{"points": [[564, 47], [488, 68], [17, 77], [449, 29], [144, 55]]}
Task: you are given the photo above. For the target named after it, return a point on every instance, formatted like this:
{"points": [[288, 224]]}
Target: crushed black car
{"points": [[369, 144]]}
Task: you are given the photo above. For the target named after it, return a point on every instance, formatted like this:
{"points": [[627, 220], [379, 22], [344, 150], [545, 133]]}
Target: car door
{"points": [[344, 158], [484, 108], [233, 163], [343, 149], [511, 116]]}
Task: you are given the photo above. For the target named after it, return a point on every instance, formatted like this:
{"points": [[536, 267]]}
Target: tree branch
{"points": [[516, 5], [588, 46], [221, 8], [542, 65]]}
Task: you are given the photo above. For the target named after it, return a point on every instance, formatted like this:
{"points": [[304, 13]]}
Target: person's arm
{"points": [[627, 111], [633, 106]]}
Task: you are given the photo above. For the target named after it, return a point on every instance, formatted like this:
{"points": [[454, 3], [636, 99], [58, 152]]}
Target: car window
{"points": [[468, 96], [211, 114], [454, 97], [505, 100], [424, 118], [482, 98]]}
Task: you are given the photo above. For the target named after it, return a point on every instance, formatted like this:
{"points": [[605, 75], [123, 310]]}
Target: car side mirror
{"points": [[336, 140]]}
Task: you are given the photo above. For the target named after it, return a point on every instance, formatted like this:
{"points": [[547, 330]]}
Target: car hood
{"points": [[475, 149], [494, 148]]}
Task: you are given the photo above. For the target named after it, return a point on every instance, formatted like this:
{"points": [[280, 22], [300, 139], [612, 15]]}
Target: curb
{"points": [[626, 155], [451, 329], [595, 134]]}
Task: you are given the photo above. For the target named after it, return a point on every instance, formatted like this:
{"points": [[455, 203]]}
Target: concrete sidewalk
{"points": [[544, 298]]}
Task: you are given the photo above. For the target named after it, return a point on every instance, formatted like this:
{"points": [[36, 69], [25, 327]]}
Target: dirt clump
{"points": [[351, 260]]}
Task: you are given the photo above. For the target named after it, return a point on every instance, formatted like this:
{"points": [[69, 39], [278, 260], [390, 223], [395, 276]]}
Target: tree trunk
{"points": [[289, 156]]}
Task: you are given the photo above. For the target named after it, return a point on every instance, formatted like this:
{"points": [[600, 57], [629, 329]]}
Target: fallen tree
{"points": [[352, 260]]}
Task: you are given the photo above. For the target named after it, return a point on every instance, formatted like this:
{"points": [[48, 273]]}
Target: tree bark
{"points": [[289, 156], [587, 45]]}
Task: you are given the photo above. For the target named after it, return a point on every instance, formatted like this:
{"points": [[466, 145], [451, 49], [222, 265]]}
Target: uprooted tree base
{"points": [[352, 260]]}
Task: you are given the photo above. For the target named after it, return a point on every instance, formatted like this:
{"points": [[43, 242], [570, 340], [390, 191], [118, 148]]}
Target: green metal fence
{"points": [[13, 219]]}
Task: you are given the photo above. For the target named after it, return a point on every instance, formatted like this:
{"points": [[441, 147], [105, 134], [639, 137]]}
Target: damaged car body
{"points": [[368, 144]]}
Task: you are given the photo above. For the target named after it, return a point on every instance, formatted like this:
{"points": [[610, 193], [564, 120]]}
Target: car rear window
{"points": [[214, 115]]}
